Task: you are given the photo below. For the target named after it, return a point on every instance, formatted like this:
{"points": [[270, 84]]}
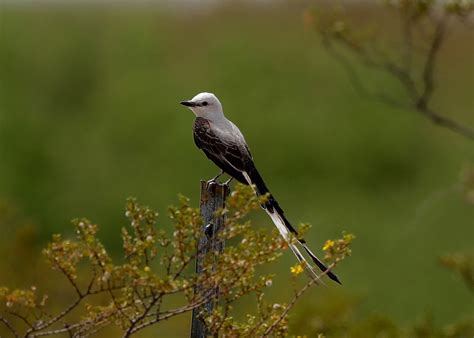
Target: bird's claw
{"points": [[214, 179], [211, 182]]}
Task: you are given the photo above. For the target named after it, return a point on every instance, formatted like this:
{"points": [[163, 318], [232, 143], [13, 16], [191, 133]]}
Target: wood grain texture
{"points": [[213, 197]]}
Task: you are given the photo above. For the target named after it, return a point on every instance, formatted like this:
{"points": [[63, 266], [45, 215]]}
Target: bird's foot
{"points": [[214, 179], [228, 181]]}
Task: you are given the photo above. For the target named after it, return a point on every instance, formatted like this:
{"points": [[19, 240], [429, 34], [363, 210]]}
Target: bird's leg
{"points": [[228, 181], [216, 177]]}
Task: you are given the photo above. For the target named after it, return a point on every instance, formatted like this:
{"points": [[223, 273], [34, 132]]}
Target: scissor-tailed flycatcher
{"points": [[224, 144]]}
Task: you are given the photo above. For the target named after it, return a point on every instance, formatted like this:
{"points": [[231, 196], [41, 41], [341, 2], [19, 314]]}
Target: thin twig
{"points": [[71, 280], [289, 306], [9, 326], [356, 81], [137, 320], [428, 69], [443, 120], [22, 318], [55, 319], [174, 312], [295, 298], [116, 304]]}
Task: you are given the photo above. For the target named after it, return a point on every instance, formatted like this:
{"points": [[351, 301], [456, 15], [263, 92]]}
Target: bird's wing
{"points": [[227, 155]]}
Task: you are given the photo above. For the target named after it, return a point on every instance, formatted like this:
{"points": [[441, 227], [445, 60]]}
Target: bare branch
{"points": [[70, 279], [289, 307], [172, 313], [117, 306], [142, 316], [56, 318], [428, 69], [419, 98], [357, 83], [21, 317], [445, 121], [295, 298], [52, 332], [9, 326], [407, 31]]}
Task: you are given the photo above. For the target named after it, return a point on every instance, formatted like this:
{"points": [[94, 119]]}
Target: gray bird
{"points": [[224, 144]]}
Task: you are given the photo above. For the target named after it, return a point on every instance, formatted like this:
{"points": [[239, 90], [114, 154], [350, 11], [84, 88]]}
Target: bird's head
{"points": [[205, 105]]}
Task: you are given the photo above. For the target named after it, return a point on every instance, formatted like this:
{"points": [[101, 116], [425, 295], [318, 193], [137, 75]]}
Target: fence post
{"points": [[213, 197]]}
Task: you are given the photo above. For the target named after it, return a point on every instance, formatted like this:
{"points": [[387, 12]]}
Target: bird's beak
{"points": [[188, 103]]}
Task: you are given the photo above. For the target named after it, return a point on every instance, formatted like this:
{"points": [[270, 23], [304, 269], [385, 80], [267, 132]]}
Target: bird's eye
{"points": [[204, 103]]}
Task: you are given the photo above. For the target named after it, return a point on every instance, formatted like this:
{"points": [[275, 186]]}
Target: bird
{"points": [[224, 144]]}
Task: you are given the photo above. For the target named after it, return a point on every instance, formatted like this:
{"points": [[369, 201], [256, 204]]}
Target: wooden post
{"points": [[213, 197]]}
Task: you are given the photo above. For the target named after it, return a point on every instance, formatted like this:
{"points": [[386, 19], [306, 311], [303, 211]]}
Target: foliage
{"points": [[337, 250], [156, 266], [461, 263]]}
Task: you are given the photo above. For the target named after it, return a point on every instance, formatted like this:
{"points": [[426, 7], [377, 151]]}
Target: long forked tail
{"points": [[285, 228]]}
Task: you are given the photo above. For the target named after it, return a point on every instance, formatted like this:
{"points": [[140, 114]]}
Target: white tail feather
{"points": [[285, 233]]}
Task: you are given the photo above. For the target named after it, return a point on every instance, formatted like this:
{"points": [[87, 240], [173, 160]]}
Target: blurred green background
{"points": [[89, 115]]}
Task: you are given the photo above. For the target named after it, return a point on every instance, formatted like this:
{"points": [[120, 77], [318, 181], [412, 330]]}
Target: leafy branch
{"points": [[157, 265]]}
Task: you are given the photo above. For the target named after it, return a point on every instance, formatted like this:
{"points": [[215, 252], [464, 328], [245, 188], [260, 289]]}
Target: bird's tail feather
{"points": [[286, 235], [285, 228]]}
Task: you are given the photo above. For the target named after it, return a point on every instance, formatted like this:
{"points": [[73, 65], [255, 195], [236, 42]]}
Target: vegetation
{"points": [[155, 267], [89, 115]]}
